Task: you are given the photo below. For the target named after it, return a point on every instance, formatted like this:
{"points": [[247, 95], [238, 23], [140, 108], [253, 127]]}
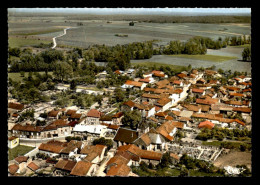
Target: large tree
{"points": [[62, 71], [132, 119]]}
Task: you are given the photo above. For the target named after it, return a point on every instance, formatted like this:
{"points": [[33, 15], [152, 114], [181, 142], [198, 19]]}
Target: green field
{"points": [[19, 150], [20, 42], [17, 76], [157, 65], [212, 58], [42, 32]]}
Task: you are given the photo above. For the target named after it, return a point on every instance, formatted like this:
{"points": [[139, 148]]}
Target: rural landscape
{"points": [[132, 95]]}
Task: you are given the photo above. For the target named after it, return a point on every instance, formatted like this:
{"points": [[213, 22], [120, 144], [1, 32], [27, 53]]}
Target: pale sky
{"points": [[138, 10]]}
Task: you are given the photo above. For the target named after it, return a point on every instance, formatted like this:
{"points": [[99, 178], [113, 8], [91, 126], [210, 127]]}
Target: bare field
{"points": [[234, 158]]}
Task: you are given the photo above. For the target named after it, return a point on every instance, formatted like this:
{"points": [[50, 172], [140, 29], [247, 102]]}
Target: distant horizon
{"points": [[137, 11]]}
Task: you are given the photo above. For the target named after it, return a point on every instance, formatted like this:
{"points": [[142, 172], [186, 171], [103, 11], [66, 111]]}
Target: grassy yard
{"points": [[211, 58], [17, 76], [157, 65], [19, 150], [20, 42]]}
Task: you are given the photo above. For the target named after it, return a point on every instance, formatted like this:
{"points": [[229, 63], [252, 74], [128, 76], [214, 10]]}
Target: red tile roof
{"points": [[12, 138], [206, 124], [69, 112], [194, 90], [146, 80], [75, 116], [30, 128], [94, 113], [53, 113], [134, 83], [16, 106], [118, 115], [13, 168], [129, 103], [33, 166], [21, 159], [119, 170], [52, 146], [181, 75], [242, 109], [81, 168], [236, 94]]}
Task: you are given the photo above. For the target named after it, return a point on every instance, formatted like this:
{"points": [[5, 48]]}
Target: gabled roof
{"points": [[13, 168], [152, 96], [242, 109], [206, 101], [232, 102], [126, 135], [148, 89], [118, 115], [134, 83], [81, 168], [165, 129], [53, 113], [21, 159], [163, 101], [16, 106], [119, 170], [144, 154], [236, 94], [71, 146], [194, 90], [75, 116], [163, 83], [92, 151], [161, 114], [181, 75], [30, 128], [94, 113], [70, 112], [129, 103], [33, 166], [52, 146]]}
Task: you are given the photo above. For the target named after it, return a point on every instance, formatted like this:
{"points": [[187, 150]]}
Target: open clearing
{"points": [[234, 158]]}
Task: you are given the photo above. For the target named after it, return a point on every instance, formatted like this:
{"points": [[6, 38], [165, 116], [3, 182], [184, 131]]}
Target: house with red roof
{"points": [[93, 117], [206, 124], [134, 84]]}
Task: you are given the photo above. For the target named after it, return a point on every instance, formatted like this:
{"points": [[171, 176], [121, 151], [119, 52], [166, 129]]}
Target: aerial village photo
{"points": [[129, 92]]}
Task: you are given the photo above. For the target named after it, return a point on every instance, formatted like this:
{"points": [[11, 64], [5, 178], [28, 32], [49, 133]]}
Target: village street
{"points": [[102, 167]]}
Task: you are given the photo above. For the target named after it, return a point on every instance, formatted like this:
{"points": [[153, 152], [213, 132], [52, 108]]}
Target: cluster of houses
{"points": [[185, 102]]}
